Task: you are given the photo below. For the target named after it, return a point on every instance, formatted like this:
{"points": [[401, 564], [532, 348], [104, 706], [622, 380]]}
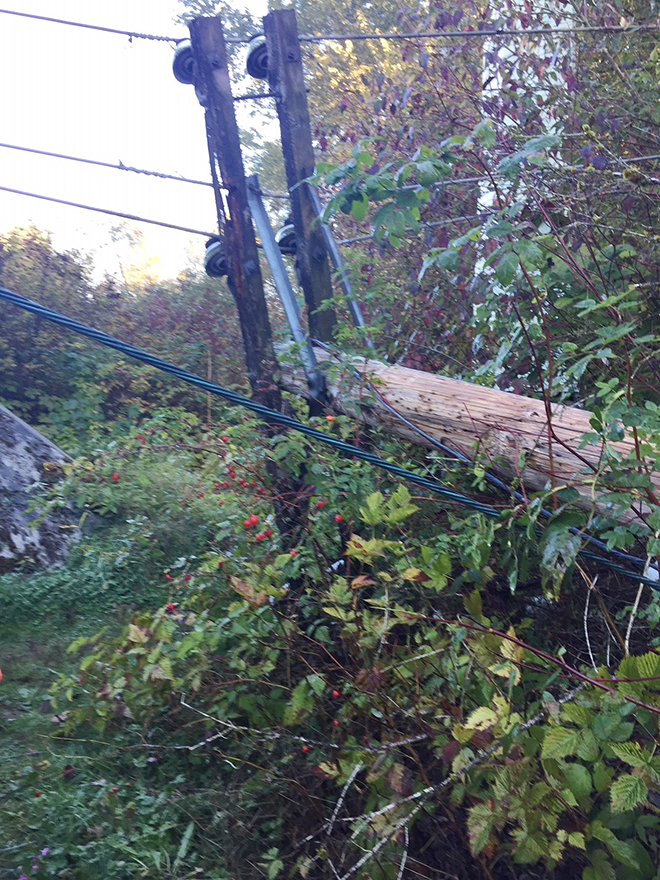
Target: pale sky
{"points": [[98, 96]]}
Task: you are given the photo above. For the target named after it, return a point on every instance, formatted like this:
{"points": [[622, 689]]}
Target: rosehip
{"points": [[216, 485], [221, 501], [221, 562], [259, 537], [335, 694], [226, 484], [320, 504], [329, 418], [187, 577], [115, 477], [305, 750], [253, 483], [247, 523], [261, 490], [292, 553], [225, 438], [254, 519], [339, 518], [37, 794], [168, 577], [200, 494], [335, 723], [268, 533], [170, 608], [115, 789]]}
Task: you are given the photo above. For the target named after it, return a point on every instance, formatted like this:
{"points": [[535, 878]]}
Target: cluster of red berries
{"points": [[251, 521], [268, 533]]}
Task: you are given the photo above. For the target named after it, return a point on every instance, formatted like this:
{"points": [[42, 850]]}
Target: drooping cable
{"points": [[275, 417]]}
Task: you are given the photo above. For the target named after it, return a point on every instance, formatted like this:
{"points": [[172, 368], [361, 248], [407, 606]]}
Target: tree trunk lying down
{"points": [[502, 428]]}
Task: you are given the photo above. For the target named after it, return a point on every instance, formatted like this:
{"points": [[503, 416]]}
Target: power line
{"points": [[93, 27], [279, 418], [30, 195], [494, 32], [320, 38], [119, 167]]}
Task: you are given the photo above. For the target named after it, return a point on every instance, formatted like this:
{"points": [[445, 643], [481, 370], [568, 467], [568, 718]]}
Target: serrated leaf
{"points": [[576, 838], [560, 743], [588, 748], [137, 634], [632, 753], [577, 714], [626, 793], [480, 822], [481, 719]]}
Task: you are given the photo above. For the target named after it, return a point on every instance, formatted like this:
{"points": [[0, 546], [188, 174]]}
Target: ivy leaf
{"points": [[560, 742], [626, 793]]}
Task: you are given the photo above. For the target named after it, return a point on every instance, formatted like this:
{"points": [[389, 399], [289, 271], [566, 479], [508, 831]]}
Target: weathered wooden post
{"points": [[287, 83]]}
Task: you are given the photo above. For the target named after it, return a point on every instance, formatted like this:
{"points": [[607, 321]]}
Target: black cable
{"points": [[275, 417]]}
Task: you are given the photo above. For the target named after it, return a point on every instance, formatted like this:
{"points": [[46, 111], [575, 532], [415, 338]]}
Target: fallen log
{"points": [[518, 437]]}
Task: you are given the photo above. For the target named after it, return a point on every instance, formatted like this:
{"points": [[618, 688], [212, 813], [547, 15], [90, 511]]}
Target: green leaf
{"points": [[632, 753], [578, 779], [481, 819], [626, 793], [560, 742], [506, 269], [360, 207], [185, 843]]}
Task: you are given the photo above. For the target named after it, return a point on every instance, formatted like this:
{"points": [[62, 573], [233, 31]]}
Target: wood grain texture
{"points": [[499, 426]]}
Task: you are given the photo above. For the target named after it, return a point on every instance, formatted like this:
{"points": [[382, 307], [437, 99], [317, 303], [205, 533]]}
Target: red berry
{"points": [[329, 418], [335, 723], [261, 490], [226, 484], [115, 477], [225, 438], [339, 518], [365, 739], [168, 577], [259, 537], [37, 794], [170, 608], [221, 562], [254, 519], [115, 789], [253, 483], [187, 577], [268, 533], [216, 485], [335, 694], [221, 501], [247, 523], [200, 494], [292, 553], [320, 504], [305, 750]]}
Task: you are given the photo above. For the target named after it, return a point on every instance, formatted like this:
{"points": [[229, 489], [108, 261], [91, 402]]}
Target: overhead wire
{"points": [[275, 417], [631, 28], [117, 167], [133, 35], [486, 32], [121, 214]]}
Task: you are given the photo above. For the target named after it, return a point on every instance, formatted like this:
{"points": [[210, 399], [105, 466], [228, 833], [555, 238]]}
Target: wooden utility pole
{"points": [[287, 83], [214, 93]]}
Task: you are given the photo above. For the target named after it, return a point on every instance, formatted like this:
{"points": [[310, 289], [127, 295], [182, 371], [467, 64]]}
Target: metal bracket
{"points": [[337, 262], [315, 379]]}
